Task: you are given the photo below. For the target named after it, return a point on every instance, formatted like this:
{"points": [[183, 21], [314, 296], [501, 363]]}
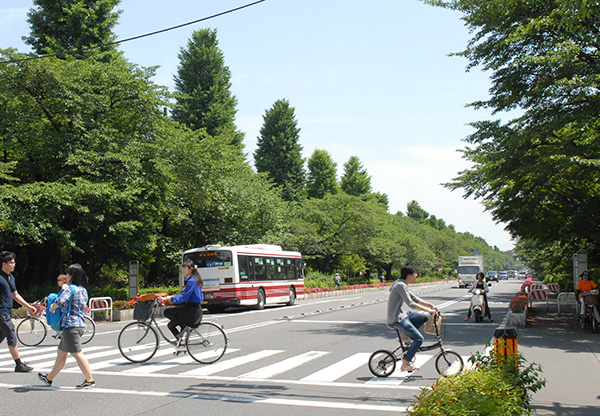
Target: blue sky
{"points": [[368, 78]]}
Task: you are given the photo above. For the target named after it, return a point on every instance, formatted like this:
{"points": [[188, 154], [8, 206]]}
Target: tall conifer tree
{"points": [[323, 170], [355, 181], [59, 26], [279, 151], [204, 99]]}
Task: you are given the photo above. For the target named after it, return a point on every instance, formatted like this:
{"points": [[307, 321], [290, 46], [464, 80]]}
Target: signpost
{"points": [[134, 267]]}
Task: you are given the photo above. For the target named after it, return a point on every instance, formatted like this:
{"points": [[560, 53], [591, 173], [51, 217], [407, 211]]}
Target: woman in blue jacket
{"points": [[190, 311]]}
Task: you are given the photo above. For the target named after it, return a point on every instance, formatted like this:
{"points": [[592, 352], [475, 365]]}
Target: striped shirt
{"points": [[80, 298]]}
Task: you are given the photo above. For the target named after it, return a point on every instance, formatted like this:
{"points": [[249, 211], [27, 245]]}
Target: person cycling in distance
{"points": [[409, 322], [190, 311]]}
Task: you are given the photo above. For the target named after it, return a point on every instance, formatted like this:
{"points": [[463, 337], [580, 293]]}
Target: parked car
{"points": [[492, 275]]}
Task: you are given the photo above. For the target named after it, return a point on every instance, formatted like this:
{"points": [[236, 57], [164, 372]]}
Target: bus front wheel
{"points": [[260, 300]]}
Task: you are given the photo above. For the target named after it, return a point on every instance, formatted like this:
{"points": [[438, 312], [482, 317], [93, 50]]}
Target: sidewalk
{"points": [[570, 361]]}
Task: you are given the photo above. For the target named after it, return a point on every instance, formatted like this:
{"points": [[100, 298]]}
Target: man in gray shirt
{"points": [[409, 322]]}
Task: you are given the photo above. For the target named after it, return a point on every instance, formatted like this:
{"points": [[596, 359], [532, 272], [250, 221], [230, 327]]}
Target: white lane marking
{"points": [[339, 369], [283, 366], [397, 377], [217, 397], [228, 364]]}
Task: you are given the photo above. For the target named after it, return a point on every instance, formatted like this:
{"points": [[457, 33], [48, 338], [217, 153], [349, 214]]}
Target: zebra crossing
{"points": [[264, 365]]}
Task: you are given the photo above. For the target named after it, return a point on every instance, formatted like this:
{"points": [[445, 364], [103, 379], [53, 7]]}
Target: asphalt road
{"points": [[311, 357]]}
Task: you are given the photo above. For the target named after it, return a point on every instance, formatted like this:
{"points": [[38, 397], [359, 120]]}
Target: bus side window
{"points": [[259, 269], [243, 266], [289, 265], [270, 268]]}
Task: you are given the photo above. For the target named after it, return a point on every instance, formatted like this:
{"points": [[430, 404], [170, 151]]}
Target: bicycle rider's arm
{"points": [[425, 306]]}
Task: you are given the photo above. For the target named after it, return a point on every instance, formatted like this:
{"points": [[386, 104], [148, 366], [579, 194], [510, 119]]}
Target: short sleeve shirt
{"points": [[7, 288]]}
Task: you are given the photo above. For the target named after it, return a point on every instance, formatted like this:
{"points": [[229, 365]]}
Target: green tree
{"points": [[79, 139], [203, 98], [278, 152], [70, 25], [355, 180], [537, 172], [323, 170], [416, 212]]}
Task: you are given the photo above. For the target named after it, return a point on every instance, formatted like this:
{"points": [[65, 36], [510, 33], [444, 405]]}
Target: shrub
{"points": [[496, 386], [478, 392]]}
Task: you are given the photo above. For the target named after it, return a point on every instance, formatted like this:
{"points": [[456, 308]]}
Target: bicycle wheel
{"points": [[448, 363], [207, 343], [382, 363], [582, 321], [138, 342], [89, 331], [31, 332]]}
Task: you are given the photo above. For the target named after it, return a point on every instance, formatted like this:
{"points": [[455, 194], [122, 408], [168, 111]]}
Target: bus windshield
{"points": [[206, 259]]}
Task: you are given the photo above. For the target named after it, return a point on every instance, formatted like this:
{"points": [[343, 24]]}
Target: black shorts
{"points": [[7, 330]]}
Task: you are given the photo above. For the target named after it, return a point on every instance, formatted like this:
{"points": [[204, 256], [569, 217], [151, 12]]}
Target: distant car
{"points": [[492, 275], [503, 275]]}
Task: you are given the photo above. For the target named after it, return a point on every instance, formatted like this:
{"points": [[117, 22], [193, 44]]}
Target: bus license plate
{"points": [[209, 296]]}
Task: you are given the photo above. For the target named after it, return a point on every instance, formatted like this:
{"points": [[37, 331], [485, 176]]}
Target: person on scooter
{"points": [[480, 283], [587, 291]]}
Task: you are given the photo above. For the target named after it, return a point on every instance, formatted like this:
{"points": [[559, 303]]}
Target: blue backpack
{"points": [[54, 319]]}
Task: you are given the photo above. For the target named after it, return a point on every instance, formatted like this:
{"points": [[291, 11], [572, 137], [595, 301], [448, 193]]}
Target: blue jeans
{"points": [[410, 326]]}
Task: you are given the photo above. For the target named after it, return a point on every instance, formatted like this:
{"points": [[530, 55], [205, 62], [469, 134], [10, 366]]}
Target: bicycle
{"points": [[32, 331], [382, 363], [138, 341]]}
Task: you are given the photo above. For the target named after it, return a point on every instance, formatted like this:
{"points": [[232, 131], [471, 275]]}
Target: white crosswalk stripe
{"points": [[339, 369], [283, 366], [258, 365]]}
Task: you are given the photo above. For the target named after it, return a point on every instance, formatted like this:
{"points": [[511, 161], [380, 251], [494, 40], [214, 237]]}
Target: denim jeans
{"points": [[410, 326]]}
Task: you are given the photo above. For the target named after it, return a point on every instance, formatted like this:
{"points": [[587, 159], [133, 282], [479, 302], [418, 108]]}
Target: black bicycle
{"points": [[382, 363], [138, 341]]}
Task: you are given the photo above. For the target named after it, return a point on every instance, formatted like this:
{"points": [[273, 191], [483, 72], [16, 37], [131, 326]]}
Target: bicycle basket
{"points": [[141, 311], [430, 326]]}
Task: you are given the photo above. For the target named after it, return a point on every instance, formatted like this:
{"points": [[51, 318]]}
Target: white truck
{"points": [[468, 267]]}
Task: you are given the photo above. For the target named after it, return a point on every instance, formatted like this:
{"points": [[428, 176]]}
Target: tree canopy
{"points": [[71, 25], [94, 170], [278, 152], [203, 88], [537, 171]]}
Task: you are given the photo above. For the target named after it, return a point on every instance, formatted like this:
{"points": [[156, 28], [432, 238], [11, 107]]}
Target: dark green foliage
{"points": [[203, 98], [355, 180], [278, 152], [322, 169], [537, 172], [59, 26]]}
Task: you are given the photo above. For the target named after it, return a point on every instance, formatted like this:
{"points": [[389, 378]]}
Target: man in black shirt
{"points": [[8, 292]]}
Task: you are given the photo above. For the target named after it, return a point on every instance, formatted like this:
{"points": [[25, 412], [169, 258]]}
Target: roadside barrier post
{"points": [[506, 344]]}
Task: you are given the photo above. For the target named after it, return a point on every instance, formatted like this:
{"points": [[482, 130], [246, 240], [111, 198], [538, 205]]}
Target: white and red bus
{"points": [[249, 275]]}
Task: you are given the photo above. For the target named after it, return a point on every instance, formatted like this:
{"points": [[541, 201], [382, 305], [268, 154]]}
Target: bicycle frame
{"points": [[382, 362]]}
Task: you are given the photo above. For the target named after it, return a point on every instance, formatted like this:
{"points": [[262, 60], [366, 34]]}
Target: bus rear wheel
{"points": [[292, 296], [260, 300]]}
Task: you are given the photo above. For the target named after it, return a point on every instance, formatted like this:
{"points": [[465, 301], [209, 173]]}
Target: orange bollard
{"points": [[506, 344]]}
